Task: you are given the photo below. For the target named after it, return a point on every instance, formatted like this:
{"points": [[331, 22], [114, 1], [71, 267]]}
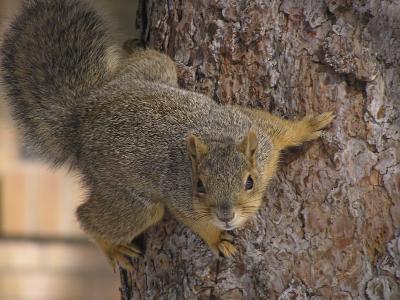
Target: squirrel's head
{"points": [[226, 189]]}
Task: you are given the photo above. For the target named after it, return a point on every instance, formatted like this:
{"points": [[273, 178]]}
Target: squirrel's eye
{"points": [[200, 187], [249, 183]]}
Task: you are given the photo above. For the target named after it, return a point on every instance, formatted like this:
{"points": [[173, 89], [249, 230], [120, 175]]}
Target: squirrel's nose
{"points": [[226, 215], [227, 218]]}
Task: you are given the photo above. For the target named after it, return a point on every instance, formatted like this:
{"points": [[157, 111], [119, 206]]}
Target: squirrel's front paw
{"points": [[225, 246], [120, 254]]}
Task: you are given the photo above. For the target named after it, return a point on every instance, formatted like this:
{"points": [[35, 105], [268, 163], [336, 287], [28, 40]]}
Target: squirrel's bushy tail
{"points": [[52, 55]]}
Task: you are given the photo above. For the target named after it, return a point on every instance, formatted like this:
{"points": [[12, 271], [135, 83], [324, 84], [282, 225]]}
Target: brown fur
{"points": [[140, 142]]}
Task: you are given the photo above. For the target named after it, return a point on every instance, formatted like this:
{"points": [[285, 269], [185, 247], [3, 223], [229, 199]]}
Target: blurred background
{"points": [[43, 253]]}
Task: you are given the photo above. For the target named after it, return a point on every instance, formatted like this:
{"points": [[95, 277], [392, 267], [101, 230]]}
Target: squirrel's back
{"points": [[53, 54]]}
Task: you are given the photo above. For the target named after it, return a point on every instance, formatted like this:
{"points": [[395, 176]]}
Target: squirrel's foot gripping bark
{"points": [[219, 242], [119, 254], [225, 246]]}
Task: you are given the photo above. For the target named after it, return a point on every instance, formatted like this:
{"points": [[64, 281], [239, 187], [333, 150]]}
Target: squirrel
{"points": [[141, 143]]}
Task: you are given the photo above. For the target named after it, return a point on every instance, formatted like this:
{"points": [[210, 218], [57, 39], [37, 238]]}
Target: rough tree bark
{"points": [[329, 226]]}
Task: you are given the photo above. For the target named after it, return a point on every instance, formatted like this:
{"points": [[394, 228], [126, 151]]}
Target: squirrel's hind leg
{"points": [[307, 129], [115, 223], [288, 133], [149, 64]]}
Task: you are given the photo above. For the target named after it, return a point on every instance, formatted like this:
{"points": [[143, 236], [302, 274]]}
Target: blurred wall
{"points": [[38, 204], [33, 198]]}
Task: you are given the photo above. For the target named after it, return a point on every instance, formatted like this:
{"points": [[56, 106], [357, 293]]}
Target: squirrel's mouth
{"points": [[224, 225], [238, 220], [229, 227]]}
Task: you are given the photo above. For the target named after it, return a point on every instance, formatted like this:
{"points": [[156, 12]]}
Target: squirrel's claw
{"points": [[226, 249], [225, 246], [120, 254], [124, 262], [119, 260], [111, 261], [130, 250]]}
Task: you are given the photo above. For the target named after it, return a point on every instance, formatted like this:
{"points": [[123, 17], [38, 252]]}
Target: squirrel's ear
{"points": [[196, 147], [249, 145]]}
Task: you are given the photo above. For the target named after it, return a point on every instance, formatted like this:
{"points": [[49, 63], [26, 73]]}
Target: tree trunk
{"points": [[329, 225]]}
